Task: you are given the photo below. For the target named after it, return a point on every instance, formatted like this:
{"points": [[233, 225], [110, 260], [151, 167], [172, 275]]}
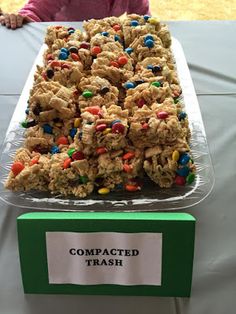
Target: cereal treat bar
{"points": [[63, 33], [72, 174], [117, 168], [96, 91], [166, 165], [104, 112], [29, 171], [145, 94], [109, 25], [79, 52], [66, 73], [107, 42], [152, 67], [158, 124], [49, 101], [104, 128], [116, 67], [135, 26], [149, 45]]}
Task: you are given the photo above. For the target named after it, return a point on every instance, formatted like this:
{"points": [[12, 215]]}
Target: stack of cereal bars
{"points": [[104, 112]]}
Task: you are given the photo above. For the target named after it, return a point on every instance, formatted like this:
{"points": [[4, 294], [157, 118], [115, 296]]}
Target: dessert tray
{"points": [[151, 197]]}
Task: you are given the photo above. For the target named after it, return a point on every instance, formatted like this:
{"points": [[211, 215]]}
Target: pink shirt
{"points": [[79, 10]]}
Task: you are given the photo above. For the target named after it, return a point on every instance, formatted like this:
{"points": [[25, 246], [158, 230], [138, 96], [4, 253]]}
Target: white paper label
{"points": [[104, 258]]}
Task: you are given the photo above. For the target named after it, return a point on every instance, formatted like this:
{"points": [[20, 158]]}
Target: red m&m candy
{"points": [[77, 155], [127, 168], [128, 156], [62, 140], [66, 163], [132, 188], [101, 127], [101, 150], [94, 110], [162, 114], [114, 64], [179, 180], [17, 167], [116, 27], [118, 128], [96, 50], [75, 57], [122, 60]]}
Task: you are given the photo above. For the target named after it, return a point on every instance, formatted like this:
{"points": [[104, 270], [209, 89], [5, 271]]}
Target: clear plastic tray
{"points": [[151, 197]]}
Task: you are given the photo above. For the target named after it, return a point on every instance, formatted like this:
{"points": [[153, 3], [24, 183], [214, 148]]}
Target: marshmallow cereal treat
{"points": [[105, 112]]}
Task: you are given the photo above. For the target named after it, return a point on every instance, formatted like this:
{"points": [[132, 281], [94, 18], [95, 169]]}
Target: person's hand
{"points": [[13, 21]]}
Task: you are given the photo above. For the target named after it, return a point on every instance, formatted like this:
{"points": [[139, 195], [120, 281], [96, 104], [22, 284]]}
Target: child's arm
{"points": [[13, 21], [42, 10], [33, 11], [139, 7]]}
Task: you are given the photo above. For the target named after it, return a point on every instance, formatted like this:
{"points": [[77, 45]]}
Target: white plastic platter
{"points": [[151, 197]]}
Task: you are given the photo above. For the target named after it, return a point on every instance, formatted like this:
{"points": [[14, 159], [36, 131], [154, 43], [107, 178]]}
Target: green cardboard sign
{"points": [[107, 253]]}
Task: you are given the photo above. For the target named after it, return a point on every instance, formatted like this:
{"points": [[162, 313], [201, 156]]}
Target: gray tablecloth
{"points": [[209, 49]]}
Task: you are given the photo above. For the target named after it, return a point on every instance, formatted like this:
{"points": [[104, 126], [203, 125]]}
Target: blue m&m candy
{"points": [[184, 159], [105, 34], [55, 149], [183, 171], [129, 50], [129, 85], [150, 67], [63, 55], [134, 23], [182, 115], [73, 131], [65, 50], [149, 43], [47, 128], [117, 38], [149, 36], [146, 17]]}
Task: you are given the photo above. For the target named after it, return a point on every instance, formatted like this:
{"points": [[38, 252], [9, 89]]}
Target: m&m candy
{"points": [[118, 128], [183, 171], [55, 149], [63, 56], [66, 163], [47, 128], [87, 94], [179, 180], [156, 84], [129, 50], [129, 85], [184, 159], [116, 27], [149, 43], [62, 140], [104, 191], [77, 155], [162, 115], [73, 49], [134, 23], [17, 167], [75, 57], [114, 64], [73, 132], [122, 60], [96, 50]]}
